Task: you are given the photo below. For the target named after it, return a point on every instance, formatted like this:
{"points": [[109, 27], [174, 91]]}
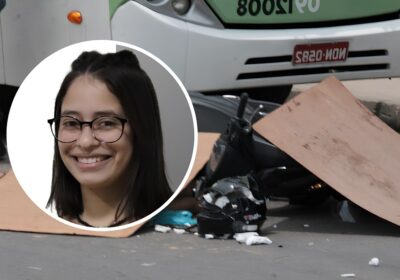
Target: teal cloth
{"points": [[180, 218]]}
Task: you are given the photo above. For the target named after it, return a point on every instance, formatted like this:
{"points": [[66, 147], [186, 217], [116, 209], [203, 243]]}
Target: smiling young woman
{"points": [[108, 166]]}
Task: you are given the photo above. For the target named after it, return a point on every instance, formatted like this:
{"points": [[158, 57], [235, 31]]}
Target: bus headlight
{"points": [[180, 6]]}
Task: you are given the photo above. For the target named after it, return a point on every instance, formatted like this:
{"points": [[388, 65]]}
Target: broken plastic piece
{"points": [[348, 275], [148, 264], [252, 238], [344, 212], [162, 229], [179, 230], [241, 237], [256, 240], [374, 262], [209, 236], [222, 201]]}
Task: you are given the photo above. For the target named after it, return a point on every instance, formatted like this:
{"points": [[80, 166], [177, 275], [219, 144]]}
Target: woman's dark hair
{"points": [[148, 187]]}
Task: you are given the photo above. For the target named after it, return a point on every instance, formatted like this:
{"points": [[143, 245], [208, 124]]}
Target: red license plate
{"points": [[317, 53]]}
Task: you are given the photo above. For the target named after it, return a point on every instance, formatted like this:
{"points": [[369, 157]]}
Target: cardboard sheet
{"points": [[19, 213], [338, 139]]}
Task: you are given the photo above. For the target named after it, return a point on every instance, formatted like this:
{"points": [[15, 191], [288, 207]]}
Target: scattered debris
{"points": [[241, 237], [174, 218], [163, 229], [348, 275], [344, 212], [35, 268], [209, 236], [374, 262], [148, 264], [255, 240], [252, 238], [306, 225], [179, 230]]}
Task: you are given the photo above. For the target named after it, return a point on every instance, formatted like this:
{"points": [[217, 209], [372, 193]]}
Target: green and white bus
{"points": [[216, 45]]}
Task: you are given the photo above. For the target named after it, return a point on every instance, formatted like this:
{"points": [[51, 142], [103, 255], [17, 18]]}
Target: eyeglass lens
{"points": [[104, 129]]}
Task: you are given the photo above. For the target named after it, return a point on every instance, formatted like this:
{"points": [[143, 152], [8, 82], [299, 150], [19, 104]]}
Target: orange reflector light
{"points": [[75, 17]]}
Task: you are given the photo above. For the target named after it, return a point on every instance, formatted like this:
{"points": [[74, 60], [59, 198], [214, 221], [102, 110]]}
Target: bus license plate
{"points": [[317, 53]]}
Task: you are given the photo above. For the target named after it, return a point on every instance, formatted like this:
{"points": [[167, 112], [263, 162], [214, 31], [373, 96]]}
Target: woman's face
{"points": [[95, 164]]}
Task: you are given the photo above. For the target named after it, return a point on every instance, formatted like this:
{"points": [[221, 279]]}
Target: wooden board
{"points": [[338, 139], [19, 213]]}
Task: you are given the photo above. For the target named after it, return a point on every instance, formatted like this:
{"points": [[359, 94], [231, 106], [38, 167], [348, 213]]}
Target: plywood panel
{"points": [[334, 136], [19, 213]]}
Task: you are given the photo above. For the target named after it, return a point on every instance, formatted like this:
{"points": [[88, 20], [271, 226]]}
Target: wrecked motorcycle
{"points": [[240, 151]]}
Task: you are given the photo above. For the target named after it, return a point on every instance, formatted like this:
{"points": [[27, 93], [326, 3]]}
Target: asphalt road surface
{"points": [[307, 244]]}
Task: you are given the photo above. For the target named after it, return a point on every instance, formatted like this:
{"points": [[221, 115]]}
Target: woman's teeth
{"points": [[88, 160]]}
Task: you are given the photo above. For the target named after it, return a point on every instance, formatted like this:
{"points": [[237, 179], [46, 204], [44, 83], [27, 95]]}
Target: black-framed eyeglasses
{"points": [[106, 129]]}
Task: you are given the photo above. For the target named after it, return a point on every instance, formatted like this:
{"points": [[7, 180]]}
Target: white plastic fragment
{"points": [[207, 197], [251, 238], [255, 240], [306, 225], [348, 275], [241, 237], [275, 226], [345, 213], [374, 262], [209, 236], [162, 229], [222, 201], [179, 231], [35, 268], [148, 264]]}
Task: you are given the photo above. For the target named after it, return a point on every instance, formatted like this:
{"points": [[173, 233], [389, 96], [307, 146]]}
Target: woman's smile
{"points": [[87, 163], [91, 160]]}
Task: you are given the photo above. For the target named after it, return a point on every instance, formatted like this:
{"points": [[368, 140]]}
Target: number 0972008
{"points": [[278, 7]]}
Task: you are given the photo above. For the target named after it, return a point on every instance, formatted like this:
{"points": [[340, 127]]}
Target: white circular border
{"points": [[33, 80]]}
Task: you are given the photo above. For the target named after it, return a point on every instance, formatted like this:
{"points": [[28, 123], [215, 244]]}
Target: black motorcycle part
{"points": [[213, 113]]}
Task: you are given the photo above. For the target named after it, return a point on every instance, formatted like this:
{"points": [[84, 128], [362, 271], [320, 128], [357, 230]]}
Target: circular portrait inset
{"points": [[101, 134]]}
